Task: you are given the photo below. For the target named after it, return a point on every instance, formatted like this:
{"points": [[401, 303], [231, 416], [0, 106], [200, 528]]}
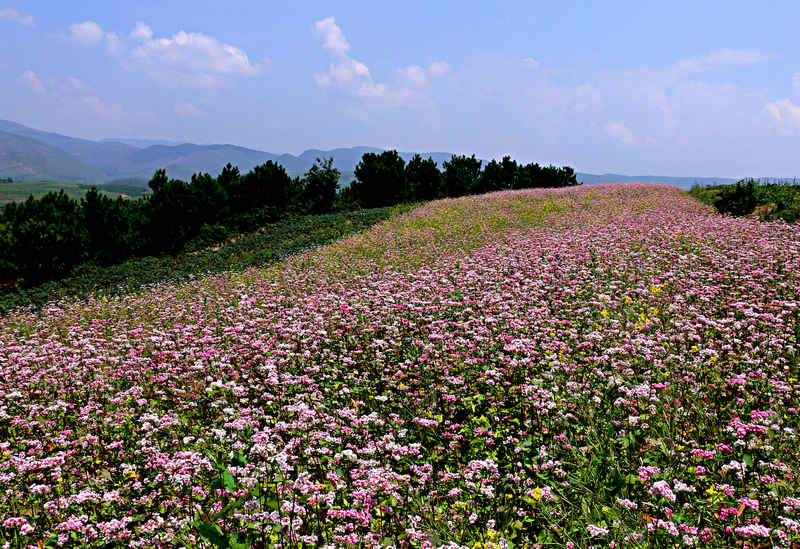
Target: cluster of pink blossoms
{"points": [[607, 365]]}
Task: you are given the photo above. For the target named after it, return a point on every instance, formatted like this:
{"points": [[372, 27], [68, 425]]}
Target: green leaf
{"points": [[272, 503], [239, 458], [228, 481], [235, 504], [239, 541], [212, 533], [748, 459]]}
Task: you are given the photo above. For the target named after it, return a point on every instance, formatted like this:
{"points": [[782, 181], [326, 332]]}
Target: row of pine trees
{"points": [[45, 239]]}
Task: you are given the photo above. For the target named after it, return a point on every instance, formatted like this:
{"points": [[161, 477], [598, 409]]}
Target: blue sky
{"points": [[673, 88]]}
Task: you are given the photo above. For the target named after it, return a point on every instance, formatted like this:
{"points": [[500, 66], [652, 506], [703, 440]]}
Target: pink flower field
{"points": [[607, 366]]}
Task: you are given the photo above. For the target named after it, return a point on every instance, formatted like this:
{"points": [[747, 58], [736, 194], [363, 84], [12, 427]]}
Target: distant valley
{"points": [[31, 154]]}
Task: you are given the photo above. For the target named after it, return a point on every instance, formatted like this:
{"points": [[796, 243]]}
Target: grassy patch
{"points": [[17, 191]]}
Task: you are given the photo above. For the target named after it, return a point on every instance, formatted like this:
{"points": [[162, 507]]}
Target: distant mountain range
{"points": [[683, 182], [27, 153], [26, 158]]}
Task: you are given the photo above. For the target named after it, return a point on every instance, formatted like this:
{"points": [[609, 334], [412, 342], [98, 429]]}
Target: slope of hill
{"points": [[606, 366], [105, 157], [236, 249], [181, 161], [140, 143], [26, 158]]}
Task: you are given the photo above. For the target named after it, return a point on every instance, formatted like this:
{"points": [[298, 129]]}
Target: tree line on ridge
{"points": [[47, 238]]}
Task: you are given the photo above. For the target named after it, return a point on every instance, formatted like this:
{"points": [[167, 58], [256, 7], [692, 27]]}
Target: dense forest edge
{"points": [[57, 245], [269, 244], [769, 201]]}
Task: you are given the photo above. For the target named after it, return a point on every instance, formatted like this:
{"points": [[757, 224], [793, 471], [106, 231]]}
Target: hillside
{"points": [[101, 156], [140, 158], [235, 248], [181, 161], [25, 158], [140, 143], [603, 365]]}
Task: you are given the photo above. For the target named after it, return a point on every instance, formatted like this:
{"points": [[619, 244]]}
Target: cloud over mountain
{"points": [[10, 14]]}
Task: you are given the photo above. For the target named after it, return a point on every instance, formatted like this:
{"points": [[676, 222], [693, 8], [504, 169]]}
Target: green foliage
{"points": [[48, 238], [319, 186], [461, 175], [172, 214], [381, 180], [769, 201], [19, 191], [536, 176], [423, 178], [42, 238], [232, 251], [208, 195], [265, 185], [110, 227], [130, 191]]}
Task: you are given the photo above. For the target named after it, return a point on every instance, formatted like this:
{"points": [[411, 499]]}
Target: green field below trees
{"points": [[18, 191]]}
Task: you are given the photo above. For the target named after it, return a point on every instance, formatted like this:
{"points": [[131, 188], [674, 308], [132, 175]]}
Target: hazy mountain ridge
{"points": [[22, 157], [106, 160], [140, 143], [101, 154], [684, 182]]}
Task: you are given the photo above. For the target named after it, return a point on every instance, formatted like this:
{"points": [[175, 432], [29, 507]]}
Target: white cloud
{"points": [[70, 86], [98, 108], [189, 58], [73, 84], [185, 58], [586, 97], [332, 36], [141, 32], [439, 69], [722, 57], [189, 110], [531, 62], [72, 95], [345, 73], [621, 133], [113, 43], [785, 113], [32, 81], [90, 33], [413, 75], [87, 33], [11, 14], [353, 78]]}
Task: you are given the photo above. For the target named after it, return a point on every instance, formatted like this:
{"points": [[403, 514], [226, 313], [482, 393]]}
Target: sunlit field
{"points": [[607, 366], [19, 191]]}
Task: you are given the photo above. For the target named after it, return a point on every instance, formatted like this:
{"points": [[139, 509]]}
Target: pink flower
{"points": [[663, 489]]}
